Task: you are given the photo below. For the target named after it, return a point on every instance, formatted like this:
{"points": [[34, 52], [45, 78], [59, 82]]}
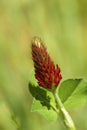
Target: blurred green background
{"points": [[63, 27]]}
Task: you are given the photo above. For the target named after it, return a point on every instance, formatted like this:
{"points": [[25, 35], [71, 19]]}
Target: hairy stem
{"points": [[63, 113]]}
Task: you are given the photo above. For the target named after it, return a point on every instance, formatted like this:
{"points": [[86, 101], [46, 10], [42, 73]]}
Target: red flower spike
{"points": [[46, 72]]}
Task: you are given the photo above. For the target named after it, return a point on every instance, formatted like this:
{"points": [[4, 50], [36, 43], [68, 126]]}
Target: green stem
{"points": [[63, 113]]}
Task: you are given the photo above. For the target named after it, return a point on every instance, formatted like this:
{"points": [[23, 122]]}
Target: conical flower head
{"points": [[46, 72]]}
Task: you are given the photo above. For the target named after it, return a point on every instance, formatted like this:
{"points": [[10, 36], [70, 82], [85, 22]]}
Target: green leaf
{"points": [[44, 102], [40, 94], [50, 115], [73, 93]]}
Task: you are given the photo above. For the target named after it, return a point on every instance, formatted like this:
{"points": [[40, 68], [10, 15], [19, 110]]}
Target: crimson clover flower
{"points": [[46, 72]]}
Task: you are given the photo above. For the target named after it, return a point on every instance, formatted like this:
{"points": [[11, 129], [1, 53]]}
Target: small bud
{"points": [[36, 41], [46, 72]]}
